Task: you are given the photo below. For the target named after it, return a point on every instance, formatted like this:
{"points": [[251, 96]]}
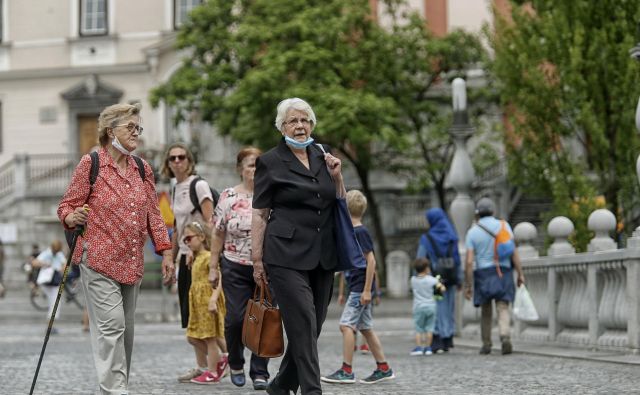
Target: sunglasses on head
{"points": [[173, 158]]}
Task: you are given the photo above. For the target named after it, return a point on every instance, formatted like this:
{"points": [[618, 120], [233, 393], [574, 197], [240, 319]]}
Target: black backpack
{"points": [[193, 196], [93, 176], [445, 265]]}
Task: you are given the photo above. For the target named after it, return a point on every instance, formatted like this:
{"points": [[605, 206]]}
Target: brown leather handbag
{"points": [[262, 327]]}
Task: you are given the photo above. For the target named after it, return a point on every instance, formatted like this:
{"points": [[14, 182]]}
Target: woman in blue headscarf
{"points": [[441, 241]]}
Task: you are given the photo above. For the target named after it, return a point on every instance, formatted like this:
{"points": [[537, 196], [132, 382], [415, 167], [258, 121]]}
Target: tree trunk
{"points": [[373, 209]]}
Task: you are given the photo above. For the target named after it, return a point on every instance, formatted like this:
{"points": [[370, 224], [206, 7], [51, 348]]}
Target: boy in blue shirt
{"points": [[357, 312], [424, 286]]}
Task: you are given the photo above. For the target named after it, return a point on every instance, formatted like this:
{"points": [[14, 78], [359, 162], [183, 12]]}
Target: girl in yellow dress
{"points": [[206, 305]]}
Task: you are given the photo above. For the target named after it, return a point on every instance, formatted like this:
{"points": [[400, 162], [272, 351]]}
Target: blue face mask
{"points": [[296, 144]]}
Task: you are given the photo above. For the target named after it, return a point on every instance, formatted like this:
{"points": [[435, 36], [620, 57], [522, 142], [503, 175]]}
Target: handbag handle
{"points": [[263, 289]]}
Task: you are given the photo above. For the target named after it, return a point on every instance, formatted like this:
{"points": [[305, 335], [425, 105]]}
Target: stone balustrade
{"points": [[589, 300]]}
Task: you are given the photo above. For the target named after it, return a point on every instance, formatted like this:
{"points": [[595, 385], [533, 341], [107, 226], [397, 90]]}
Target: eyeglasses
{"points": [[131, 127], [179, 158], [295, 121], [187, 239]]}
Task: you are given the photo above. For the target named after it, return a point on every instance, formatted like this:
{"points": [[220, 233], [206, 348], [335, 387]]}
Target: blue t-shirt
{"points": [[422, 287], [482, 243], [357, 277]]}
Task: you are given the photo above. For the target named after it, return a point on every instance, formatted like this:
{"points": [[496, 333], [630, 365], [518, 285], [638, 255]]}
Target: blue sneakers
{"points": [[417, 351], [339, 377], [378, 376]]}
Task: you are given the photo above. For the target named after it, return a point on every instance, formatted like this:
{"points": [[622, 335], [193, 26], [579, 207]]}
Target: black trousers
{"points": [[238, 286], [304, 297], [184, 283]]}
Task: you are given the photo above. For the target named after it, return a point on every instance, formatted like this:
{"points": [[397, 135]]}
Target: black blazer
{"points": [[300, 228]]}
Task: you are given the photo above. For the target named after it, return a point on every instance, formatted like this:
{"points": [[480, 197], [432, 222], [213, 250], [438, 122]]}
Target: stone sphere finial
{"points": [[560, 228], [601, 221], [525, 231]]}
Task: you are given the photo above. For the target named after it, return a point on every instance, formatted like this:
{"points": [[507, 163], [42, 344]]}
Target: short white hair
{"points": [[294, 103]]}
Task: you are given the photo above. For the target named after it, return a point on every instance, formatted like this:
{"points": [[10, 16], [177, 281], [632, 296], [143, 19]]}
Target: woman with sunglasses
{"points": [[179, 163], [232, 237], [120, 209]]}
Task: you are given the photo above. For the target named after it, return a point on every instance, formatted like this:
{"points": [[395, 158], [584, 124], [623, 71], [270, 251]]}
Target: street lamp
{"points": [[461, 174]]}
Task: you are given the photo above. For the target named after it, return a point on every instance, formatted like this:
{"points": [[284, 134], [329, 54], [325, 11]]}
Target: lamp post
{"points": [[460, 177], [461, 174]]}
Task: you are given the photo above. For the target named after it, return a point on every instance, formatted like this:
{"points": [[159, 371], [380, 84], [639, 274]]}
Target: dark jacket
{"points": [[300, 228]]}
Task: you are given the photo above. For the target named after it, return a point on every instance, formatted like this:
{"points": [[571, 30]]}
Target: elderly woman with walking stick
{"points": [[118, 212]]}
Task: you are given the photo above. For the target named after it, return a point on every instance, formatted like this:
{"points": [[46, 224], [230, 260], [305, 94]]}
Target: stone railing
{"points": [[35, 175], [589, 300]]}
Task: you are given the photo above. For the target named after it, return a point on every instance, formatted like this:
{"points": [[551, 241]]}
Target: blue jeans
{"points": [[355, 315]]}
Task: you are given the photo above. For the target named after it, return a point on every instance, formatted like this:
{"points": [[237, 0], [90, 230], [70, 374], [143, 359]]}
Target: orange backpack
{"points": [[503, 245]]}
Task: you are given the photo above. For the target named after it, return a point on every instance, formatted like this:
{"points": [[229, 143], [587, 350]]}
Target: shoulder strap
{"points": [[140, 164], [485, 229], [193, 195], [321, 148], [95, 168], [433, 245]]}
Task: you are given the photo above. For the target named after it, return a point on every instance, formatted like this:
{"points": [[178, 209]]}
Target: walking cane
{"points": [[55, 306]]}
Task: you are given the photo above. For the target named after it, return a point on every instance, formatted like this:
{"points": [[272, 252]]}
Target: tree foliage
{"points": [[569, 88], [368, 84]]}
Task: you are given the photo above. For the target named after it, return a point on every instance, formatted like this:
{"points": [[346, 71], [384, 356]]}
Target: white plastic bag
{"points": [[523, 307], [45, 275]]}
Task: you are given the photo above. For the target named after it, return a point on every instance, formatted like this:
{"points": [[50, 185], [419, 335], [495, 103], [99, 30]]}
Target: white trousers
{"points": [[111, 307]]}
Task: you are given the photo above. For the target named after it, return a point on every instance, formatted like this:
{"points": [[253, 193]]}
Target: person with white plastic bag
{"points": [[523, 307]]}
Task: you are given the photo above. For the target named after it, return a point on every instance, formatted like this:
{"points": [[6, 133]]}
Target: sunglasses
{"points": [[179, 158], [187, 239]]}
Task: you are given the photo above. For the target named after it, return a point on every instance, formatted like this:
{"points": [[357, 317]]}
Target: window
{"points": [[181, 9], [93, 17]]}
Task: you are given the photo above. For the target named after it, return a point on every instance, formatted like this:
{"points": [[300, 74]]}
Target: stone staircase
{"points": [[532, 209]]}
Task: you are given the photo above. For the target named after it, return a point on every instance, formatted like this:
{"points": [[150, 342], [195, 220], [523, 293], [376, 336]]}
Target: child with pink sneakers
{"points": [[206, 306]]}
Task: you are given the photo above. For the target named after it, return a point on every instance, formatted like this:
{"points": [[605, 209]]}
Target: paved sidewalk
{"points": [[161, 354]]}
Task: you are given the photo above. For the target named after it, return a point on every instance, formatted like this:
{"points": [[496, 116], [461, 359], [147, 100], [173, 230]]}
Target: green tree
{"points": [[246, 56], [569, 89]]}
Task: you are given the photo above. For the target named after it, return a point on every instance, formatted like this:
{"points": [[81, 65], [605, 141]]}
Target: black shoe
{"points": [[237, 379], [485, 350], [260, 383], [437, 344], [448, 342], [273, 389], [506, 347]]}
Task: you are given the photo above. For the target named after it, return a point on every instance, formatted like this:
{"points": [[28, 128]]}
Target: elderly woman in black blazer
{"points": [[295, 189]]}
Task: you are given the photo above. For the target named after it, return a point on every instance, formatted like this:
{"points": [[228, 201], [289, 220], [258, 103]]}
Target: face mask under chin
{"points": [[297, 144], [116, 144]]}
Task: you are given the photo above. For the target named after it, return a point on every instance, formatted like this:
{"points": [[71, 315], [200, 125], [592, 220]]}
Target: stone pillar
{"points": [[602, 222], [633, 305], [21, 174], [524, 233], [560, 228], [461, 175], [398, 274]]}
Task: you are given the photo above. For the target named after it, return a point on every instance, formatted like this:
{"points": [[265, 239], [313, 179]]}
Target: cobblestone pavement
{"points": [[161, 353]]}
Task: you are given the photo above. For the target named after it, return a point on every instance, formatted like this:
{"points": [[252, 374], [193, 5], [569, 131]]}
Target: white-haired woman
{"points": [[119, 211], [293, 243]]}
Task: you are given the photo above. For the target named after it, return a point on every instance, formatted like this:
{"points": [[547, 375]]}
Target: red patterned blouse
{"points": [[124, 211]]}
